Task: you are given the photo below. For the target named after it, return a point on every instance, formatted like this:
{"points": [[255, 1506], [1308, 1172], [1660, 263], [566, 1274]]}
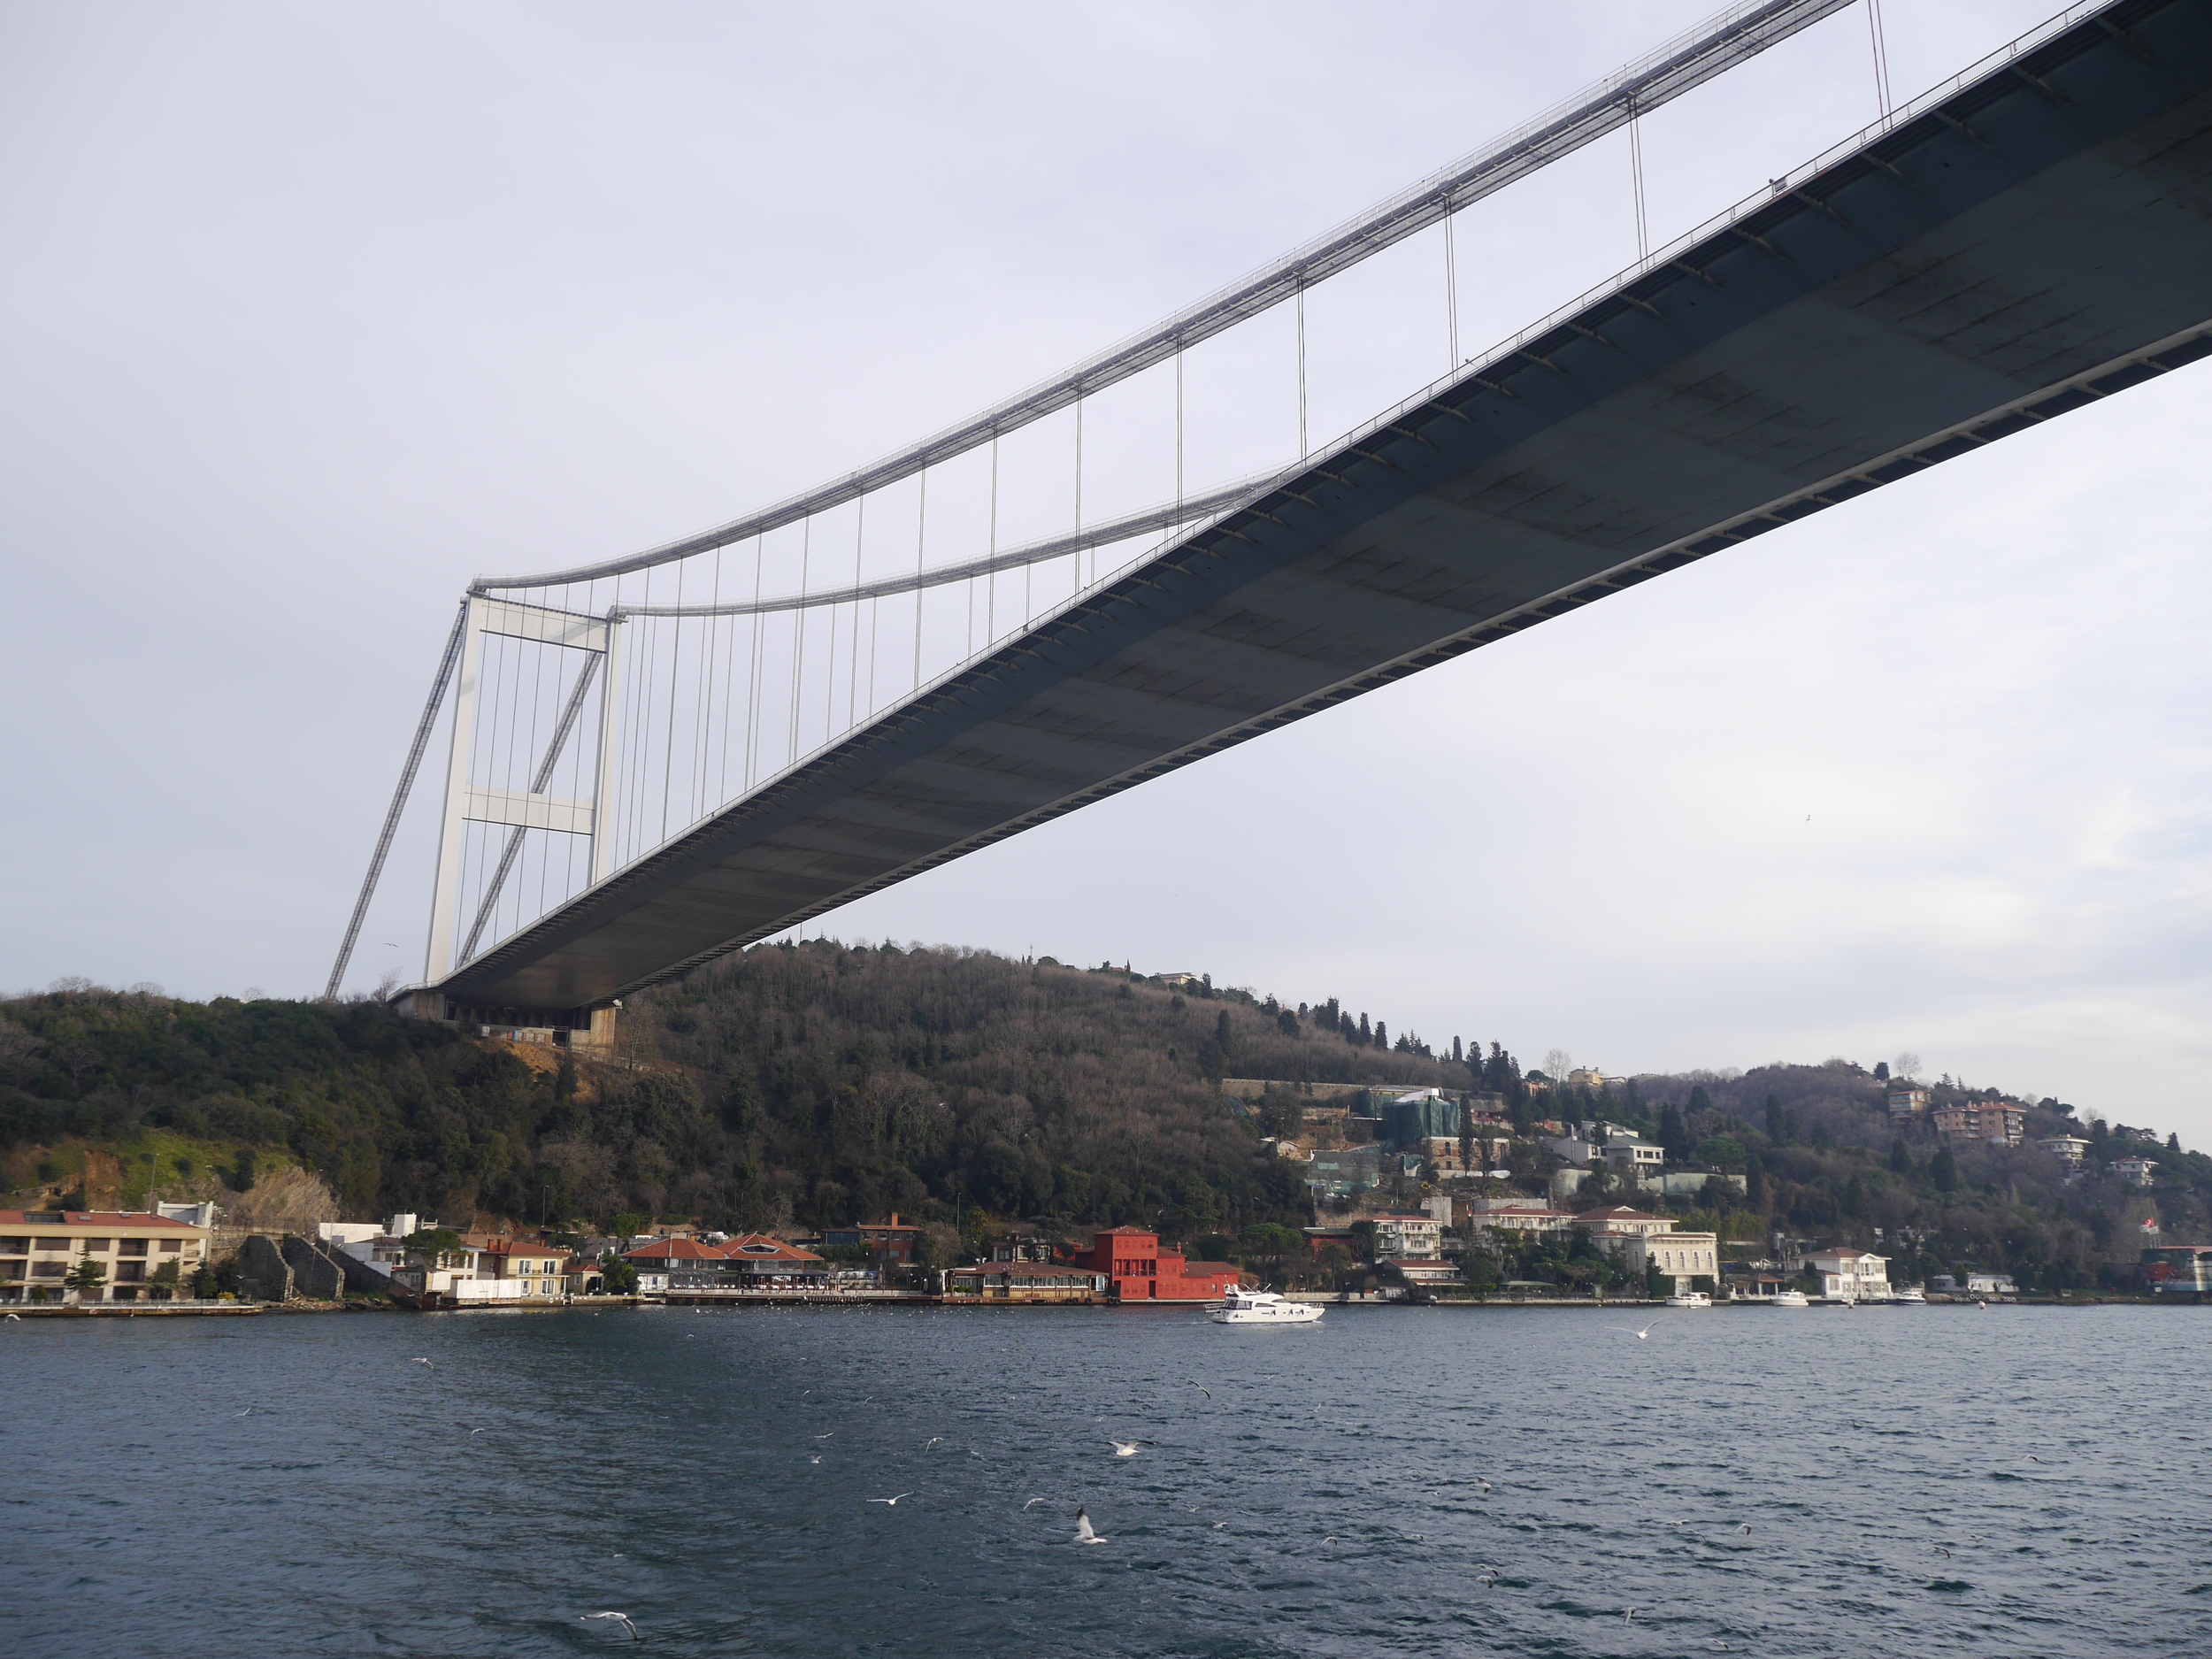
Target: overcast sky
{"points": [[308, 314]]}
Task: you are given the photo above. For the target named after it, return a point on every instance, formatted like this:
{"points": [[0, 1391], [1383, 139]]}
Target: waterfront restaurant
{"points": [[140, 1256], [1025, 1281], [752, 1265]]}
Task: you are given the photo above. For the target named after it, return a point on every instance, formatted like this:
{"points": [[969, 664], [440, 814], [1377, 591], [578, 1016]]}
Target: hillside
{"points": [[808, 1085]]}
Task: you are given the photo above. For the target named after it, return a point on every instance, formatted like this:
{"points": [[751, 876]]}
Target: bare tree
{"points": [[1905, 1065]]}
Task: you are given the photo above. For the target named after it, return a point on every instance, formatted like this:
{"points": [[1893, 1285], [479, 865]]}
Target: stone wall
{"points": [[263, 1273]]}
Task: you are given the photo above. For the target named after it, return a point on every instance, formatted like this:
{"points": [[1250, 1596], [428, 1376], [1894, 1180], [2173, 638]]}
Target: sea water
{"points": [[1393, 1480]]}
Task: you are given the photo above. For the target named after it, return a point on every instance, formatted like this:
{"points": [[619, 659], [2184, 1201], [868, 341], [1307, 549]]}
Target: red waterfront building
{"points": [[1140, 1271]]}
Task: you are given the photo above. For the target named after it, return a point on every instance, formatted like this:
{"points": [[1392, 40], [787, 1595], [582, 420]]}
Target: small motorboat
{"points": [[1263, 1306], [1690, 1299], [1910, 1296], [1791, 1298]]}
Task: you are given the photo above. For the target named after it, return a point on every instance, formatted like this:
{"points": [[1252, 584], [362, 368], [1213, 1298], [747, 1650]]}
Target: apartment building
{"points": [[134, 1250]]}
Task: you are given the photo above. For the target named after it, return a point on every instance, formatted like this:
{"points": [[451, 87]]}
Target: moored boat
{"points": [[1263, 1306], [1690, 1299], [1791, 1298], [1911, 1296]]}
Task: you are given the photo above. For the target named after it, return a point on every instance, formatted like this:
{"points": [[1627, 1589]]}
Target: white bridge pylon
{"points": [[467, 802]]}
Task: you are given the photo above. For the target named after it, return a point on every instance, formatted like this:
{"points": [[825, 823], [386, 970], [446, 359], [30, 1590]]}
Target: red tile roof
{"points": [[674, 1250], [93, 1219]]}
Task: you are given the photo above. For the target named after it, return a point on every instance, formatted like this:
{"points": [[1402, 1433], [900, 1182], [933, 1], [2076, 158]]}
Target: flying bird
{"points": [[1746, 1531], [931, 1441], [889, 1500], [1085, 1533], [1128, 1449], [1484, 1484], [418, 1360], [1199, 1387], [824, 1437], [1627, 1614], [625, 1618], [814, 1457], [1644, 1334], [1943, 1552], [476, 1431], [1025, 1507], [15, 1318]]}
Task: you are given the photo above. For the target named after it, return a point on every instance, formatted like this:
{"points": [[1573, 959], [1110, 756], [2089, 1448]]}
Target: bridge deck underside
{"points": [[2042, 225]]}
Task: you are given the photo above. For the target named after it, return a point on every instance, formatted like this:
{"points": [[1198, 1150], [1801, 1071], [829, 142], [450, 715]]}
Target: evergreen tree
{"points": [[1778, 1131], [1382, 1035], [1366, 1033], [1899, 1160], [1672, 1135], [1944, 1170], [1456, 1058], [86, 1276], [1881, 1070], [1754, 1182]]}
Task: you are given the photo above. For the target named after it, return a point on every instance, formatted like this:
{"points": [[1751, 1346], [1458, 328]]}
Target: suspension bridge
{"points": [[658, 758]]}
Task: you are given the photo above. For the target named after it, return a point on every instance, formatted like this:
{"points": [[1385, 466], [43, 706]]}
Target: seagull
{"points": [[1027, 1506], [1485, 1484], [2031, 1457], [1627, 1614], [814, 1457], [824, 1437], [1644, 1334], [931, 1441], [1943, 1552], [1084, 1531], [889, 1500], [15, 1318], [1489, 1577], [476, 1431], [625, 1618], [418, 1360], [1746, 1531], [1199, 1387], [1128, 1449]]}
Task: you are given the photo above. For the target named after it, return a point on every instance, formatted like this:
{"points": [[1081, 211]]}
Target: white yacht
{"points": [[1689, 1299], [1791, 1298], [1910, 1296], [1263, 1306]]}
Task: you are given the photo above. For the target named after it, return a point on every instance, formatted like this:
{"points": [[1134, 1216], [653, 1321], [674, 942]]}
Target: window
{"points": [[48, 1269], [97, 1246], [169, 1247], [15, 1247], [130, 1272], [131, 1246]]}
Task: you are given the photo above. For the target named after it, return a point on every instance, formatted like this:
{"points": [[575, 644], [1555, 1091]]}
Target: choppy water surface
{"points": [[708, 1473]]}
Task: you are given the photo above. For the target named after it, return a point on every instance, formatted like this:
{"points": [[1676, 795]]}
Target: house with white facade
{"points": [[1526, 1218], [1407, 1234], [2134, 1172], [1851, 1276]]}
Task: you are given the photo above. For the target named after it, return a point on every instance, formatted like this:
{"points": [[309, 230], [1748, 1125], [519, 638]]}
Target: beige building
{"points": [[132, 1248], [531, 1268], [1683, 1256]]}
